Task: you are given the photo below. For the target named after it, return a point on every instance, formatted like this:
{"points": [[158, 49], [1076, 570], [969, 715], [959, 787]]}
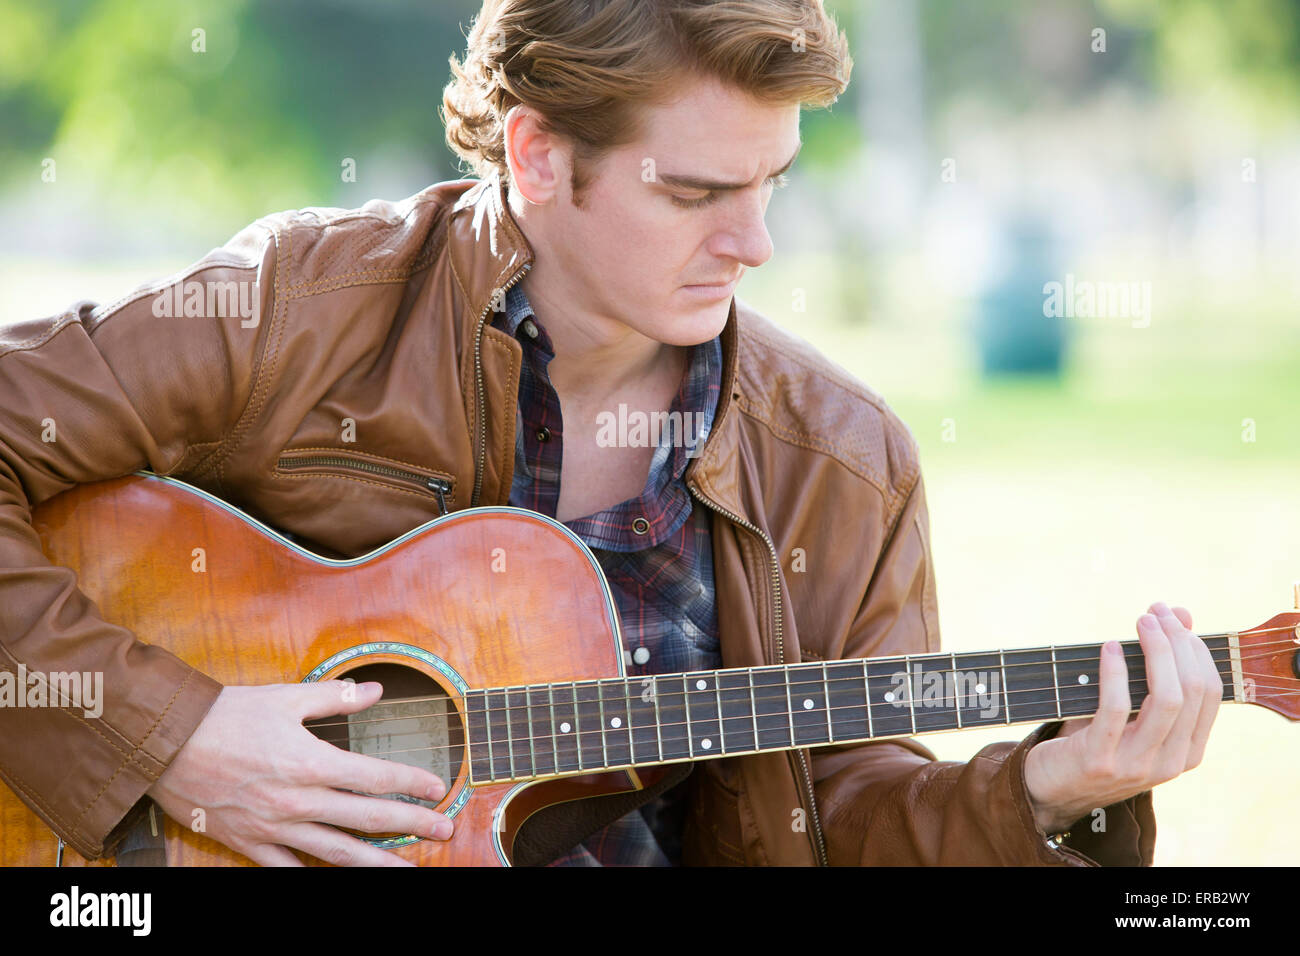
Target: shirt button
{"points": [[640, 655], [640, 525], [543, 434], [530, 329]]}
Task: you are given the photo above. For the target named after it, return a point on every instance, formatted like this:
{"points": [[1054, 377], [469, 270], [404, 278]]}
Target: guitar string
{"points": [[788, 688], [581, 748], [812, 680], [875, 661], [749, 716]]}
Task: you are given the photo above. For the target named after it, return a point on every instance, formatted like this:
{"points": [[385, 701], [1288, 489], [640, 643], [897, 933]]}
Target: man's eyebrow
{"points": [[718, 185]]}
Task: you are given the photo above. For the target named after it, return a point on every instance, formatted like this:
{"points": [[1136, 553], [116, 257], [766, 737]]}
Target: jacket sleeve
{"points": [[892, 803], [93, 394]]}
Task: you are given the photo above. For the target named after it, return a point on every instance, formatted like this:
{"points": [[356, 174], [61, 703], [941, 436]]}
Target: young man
{"points": [[484, 330]]}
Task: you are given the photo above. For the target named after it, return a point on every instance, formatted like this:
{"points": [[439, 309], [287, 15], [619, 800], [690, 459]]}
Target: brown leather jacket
{"points": [[378, 315]]}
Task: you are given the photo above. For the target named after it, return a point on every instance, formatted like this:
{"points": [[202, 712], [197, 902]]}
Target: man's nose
{"points": [[747, 238]]}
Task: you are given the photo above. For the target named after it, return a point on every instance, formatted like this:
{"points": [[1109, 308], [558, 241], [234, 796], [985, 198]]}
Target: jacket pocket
{"points": [[356, 465]]}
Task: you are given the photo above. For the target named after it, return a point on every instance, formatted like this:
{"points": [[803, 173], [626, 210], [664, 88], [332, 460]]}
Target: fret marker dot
{"points": [[564, 727], [808, 704], [616, 722], [979, 688], [889, 695], [640, 655], [700, 685], [706, 743], [1083, 678]]}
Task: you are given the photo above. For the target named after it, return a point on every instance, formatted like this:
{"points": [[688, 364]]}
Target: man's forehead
{"points": [[723, 135]]}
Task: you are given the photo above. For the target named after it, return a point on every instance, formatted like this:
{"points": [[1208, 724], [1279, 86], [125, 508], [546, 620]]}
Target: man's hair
{"points": [[589, 66]]}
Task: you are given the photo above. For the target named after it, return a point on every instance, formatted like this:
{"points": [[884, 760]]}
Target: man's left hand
{"points": [[1098, 761]]}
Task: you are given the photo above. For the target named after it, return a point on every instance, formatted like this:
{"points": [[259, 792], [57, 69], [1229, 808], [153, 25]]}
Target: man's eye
{"points": [[694, 203], [712, 197]]}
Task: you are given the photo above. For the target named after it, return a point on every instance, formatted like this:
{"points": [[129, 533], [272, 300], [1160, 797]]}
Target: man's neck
{"points": [[599, 362]]}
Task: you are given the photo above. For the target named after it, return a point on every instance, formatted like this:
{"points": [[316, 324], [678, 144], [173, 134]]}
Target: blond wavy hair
{"points": [[588, 67]]}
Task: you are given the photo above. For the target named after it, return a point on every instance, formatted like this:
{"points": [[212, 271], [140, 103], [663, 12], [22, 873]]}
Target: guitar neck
{"points": [[540, 730]]}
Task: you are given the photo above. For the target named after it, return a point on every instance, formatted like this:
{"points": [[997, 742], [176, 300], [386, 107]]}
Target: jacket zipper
{"points": [[478, 381], [438, 486], [780, 653]]}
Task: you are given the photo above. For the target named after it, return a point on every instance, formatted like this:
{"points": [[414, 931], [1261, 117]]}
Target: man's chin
{"points": [[695, 324]]}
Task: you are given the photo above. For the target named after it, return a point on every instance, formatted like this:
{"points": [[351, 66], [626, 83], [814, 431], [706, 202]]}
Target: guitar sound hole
{"points": [[414, 723]]}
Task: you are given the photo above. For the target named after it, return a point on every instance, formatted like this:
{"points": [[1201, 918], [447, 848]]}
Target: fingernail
{"points": [[437, 791], [1149, 620], [443, 830], [1162, 608]]}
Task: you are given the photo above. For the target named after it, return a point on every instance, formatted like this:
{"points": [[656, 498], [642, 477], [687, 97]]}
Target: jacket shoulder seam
{"points": [[375, 276], [46, 336]]}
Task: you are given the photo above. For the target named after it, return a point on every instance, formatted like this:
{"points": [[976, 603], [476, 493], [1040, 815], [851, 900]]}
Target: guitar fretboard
{"points": [[540, 730]]}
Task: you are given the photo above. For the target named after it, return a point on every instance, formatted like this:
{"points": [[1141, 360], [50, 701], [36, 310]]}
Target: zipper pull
{"points": [[440, 488]]}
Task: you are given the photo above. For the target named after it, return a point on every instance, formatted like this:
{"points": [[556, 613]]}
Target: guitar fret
{"points": [[887, 694], [1029, 675], [659, 726], [618, 722], [736, 711], [591, 729], [528, 705], [979, 698], [1056, 682], [555, 743], [789, 705], [753, 705], [604, 746], [934, 692], [866, 693], [722, 730], [577, 738], [773, 726], [686, 708], [826, 688], [846, 701], [1006, 699], [536, 711], [476, 714], [644, 740], [497, 760], [1078, 671], [510, 737], [956, 703], [911, 702]]}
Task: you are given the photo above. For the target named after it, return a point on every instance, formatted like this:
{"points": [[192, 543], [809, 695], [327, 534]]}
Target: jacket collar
{"points": [[489, 252]]}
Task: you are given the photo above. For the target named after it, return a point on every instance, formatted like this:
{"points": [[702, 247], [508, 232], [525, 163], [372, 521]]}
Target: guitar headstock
{"points": [[1270, 662]]}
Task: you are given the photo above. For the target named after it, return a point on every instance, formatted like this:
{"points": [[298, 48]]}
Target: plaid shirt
{"points": [[655, 550]]}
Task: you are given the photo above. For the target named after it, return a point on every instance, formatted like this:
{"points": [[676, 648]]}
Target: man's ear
{"points": [[537, 159]]}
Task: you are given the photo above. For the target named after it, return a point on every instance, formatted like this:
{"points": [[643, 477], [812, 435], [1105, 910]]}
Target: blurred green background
{"points": [[1078, 468]]}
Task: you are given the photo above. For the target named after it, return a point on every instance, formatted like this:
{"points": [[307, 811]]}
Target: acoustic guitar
{"points": [[497, 641]]}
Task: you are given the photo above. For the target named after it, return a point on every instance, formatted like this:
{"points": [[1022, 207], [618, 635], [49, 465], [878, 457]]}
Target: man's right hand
{"points": [[265, 782]]}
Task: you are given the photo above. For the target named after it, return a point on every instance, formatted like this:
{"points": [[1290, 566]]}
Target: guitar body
{"points": [[485, 597]]}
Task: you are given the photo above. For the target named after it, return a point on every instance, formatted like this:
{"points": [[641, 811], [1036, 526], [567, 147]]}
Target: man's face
{"points": [[653, 247]]}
